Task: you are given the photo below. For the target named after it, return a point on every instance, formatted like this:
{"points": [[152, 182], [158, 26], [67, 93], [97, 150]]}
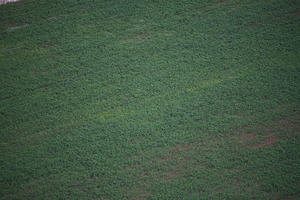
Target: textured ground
{"points": [[150, 99]]}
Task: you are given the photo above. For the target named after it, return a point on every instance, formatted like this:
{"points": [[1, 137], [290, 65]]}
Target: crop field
{"points": [[150, 99]]}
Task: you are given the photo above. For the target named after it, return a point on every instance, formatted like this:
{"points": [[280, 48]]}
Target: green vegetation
{"points": [[148, 99]]}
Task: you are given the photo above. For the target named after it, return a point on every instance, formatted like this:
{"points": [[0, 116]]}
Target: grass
{"points": [[150, 99]]}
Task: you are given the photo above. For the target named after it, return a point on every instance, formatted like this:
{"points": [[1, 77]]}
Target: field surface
{"points": [[150, 99]]}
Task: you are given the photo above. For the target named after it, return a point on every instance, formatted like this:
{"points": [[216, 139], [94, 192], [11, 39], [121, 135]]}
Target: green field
{"points": [[150, 99]]}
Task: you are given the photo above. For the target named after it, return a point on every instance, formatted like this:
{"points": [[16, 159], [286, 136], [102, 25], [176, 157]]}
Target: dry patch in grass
{"points": [[268, 142], [48, 44], [221, 2], [288, 125], [38, 73], [297, 12], [137, 38], [168, 167], [177, 161], [142, 193], [7, 1], [257, 141], [247, 137], [12, 28], [174, 163]]}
